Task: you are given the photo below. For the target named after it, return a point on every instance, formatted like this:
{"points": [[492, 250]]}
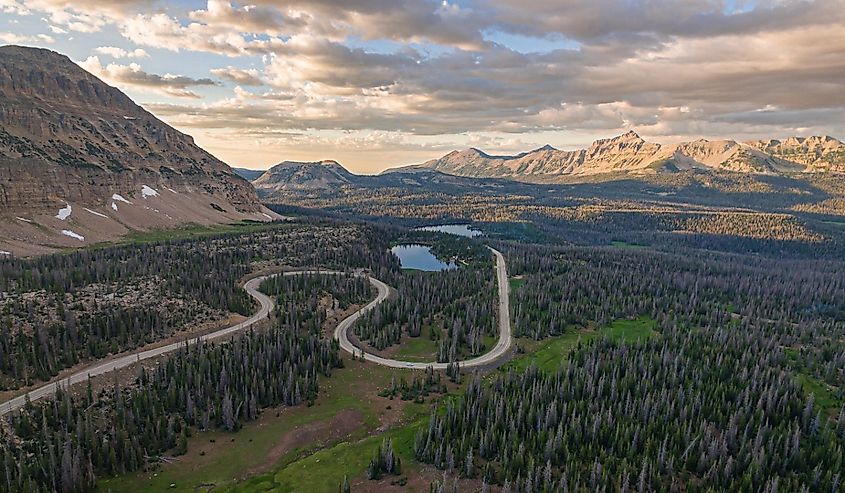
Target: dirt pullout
{"points": [[312, 435]]}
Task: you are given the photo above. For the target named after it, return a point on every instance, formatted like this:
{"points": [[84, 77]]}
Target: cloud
{"points": [[249, 77], [593, 20], [13, 38], [250, 18], [13, 7], [116, 52], [433, 68], [133, 75]]}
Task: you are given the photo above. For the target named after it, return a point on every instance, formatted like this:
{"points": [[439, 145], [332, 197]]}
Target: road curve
{"points": [[340, 333], [502, 346], [117, 363]]}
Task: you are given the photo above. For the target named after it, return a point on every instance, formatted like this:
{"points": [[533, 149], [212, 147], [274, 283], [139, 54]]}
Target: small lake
{"points": [[420, 257], [453, 229]]}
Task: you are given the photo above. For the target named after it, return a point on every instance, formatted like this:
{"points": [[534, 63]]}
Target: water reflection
{"points": [[453, 229], [420, 257]]}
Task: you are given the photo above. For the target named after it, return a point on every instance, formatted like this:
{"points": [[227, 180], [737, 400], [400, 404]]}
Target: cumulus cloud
{"points": [[116, 52], [133, 75]]}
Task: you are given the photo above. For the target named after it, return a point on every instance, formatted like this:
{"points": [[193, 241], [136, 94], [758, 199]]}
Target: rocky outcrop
{"points": [[816, 153]]}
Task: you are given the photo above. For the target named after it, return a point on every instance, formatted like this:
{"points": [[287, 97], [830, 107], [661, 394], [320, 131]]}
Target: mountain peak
{"points": [[546, 147], [475, 150], [30, 51], [286, 175], [628, 136]]}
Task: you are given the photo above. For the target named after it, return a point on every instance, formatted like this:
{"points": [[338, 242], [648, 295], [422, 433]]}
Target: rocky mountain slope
{"points": [[248, 174], [80, 162], [629, 153], [294, 175]]}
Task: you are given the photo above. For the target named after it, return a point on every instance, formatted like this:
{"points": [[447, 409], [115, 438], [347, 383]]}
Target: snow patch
{"points": [[129, 118], [267, 215], [120, 198], [146, 192], [114, 206], [170, 190], [23, 219], [70, 233], [4, 252], [95, 212], [64, 212]]}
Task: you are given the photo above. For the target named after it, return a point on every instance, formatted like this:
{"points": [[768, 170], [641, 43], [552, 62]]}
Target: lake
{"points": [[453, 229], [420, 257]]}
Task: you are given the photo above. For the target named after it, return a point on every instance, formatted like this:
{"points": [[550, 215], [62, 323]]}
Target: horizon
{"points": [[374, 88], [497, 153]]}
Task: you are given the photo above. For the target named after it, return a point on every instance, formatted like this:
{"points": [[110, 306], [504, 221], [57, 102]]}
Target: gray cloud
{"points": [[133, 75], [667, 67], [249, 77]]}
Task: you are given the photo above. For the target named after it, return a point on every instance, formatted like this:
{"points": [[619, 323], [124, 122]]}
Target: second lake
{"points": [[419, 257]]}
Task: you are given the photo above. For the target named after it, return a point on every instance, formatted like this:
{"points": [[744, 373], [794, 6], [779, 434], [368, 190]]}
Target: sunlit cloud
{"points": [[461, 71]]}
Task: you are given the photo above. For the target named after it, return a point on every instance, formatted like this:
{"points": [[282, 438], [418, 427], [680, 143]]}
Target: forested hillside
{"points": [[60, 310], [454, 311], [740, 388], [66, 443]]}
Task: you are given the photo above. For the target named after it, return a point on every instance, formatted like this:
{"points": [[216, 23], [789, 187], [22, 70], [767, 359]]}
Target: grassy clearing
{"points": [[323, 471], [550, 353], [839, 224], [420, 348], [625, 244], [630, 330], [825, 395], [516, 283], [192, 231], [230, 456]]}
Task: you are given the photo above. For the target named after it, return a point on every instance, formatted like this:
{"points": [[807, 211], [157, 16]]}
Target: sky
{"points": [[380, 83]]}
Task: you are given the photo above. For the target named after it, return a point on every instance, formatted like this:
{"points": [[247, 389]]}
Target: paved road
{"points": [[502, 346], [341, 334]]}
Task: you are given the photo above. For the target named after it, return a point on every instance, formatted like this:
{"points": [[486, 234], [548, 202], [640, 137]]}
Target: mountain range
{"points": [[622, 157], [81, 163], [630, 153]]}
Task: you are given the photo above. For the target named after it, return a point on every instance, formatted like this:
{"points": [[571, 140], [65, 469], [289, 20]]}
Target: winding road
{"points": [[340, 333], [502, 346]]}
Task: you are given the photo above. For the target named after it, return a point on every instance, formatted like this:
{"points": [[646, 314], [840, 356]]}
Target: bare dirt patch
{"points": [[312, 435]]}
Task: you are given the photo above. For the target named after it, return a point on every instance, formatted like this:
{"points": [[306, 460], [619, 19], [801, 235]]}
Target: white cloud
{"points": [[13, 38], [116, 52], [13, 7]]}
